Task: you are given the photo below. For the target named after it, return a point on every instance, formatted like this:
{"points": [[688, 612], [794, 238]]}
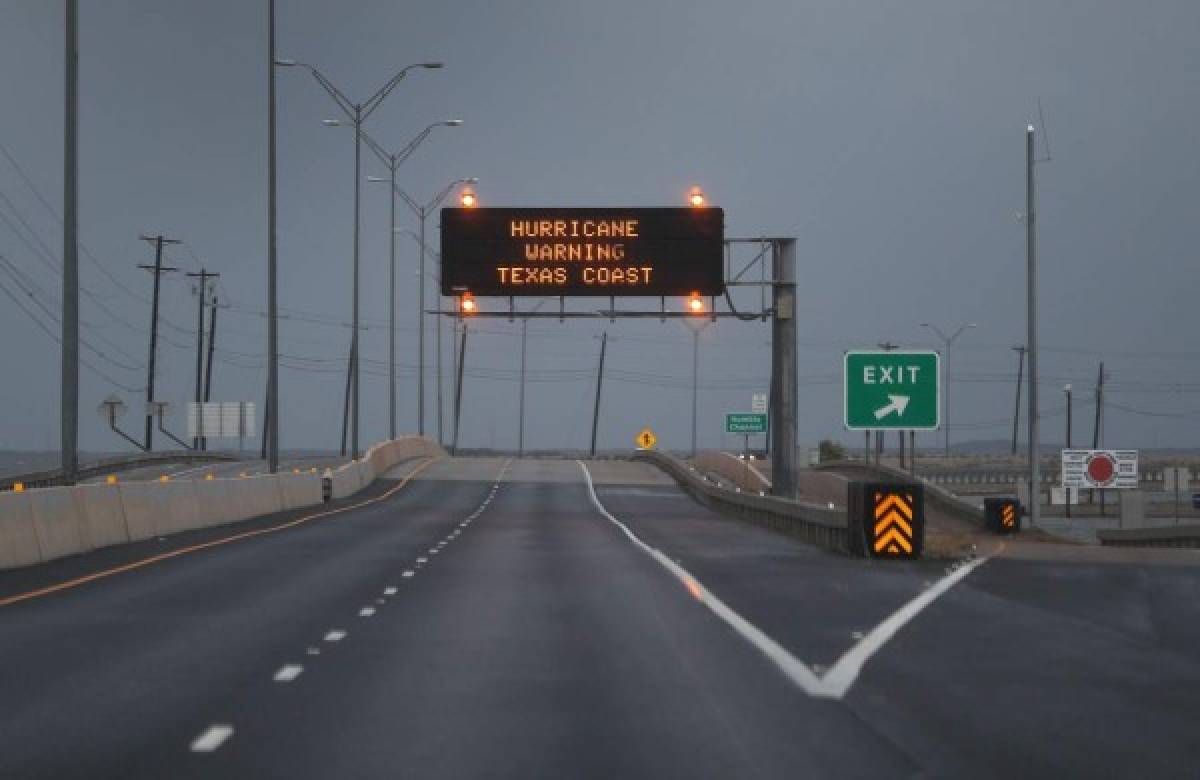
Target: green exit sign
{"points": [[892, 390], [745, 423]]}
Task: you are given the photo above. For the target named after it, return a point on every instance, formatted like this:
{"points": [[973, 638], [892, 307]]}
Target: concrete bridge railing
{"points": [[812, 523], [42, 524]]}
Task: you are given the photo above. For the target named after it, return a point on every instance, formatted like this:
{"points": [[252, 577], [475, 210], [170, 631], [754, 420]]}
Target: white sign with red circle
{"points": [[1100, 468]]}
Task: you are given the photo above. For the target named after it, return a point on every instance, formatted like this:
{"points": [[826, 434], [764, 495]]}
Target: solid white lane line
{"points": [[335, 636], [837, 681], [212, 738], [366, 612], [390, 590], [288, 673]]}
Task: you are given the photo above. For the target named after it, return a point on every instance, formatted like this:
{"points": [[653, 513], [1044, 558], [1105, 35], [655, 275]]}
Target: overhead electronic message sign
{"points": [[582, 252]]}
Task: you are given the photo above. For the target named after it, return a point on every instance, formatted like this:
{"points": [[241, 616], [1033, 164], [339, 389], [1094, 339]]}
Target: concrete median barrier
{"points": [[102, 514], [147, 509], [57, 522], [46, 523], [300, 490], [216, 502], [346, 481], [185, 508], [18, 539]]}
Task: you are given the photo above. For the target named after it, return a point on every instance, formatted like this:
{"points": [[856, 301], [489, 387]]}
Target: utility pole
{"points": [[1035, 471], [212, 341], [599, 386], [69, 410], [784, 394], [458, 393], [1020, 350], [1099, 408], [203, 276], [158, 270], [271, 432]]}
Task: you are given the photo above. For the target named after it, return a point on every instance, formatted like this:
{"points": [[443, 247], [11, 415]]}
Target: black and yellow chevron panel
{"points": [[1002, 515], [886, 520]]}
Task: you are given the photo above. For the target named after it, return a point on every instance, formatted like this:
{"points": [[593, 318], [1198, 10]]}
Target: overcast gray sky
{"points": [[888, 137]]}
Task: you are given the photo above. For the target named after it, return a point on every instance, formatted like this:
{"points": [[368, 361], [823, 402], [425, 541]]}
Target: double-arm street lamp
{"points": [[949, 342], [356, 114], [422, 210], [393, 161]]}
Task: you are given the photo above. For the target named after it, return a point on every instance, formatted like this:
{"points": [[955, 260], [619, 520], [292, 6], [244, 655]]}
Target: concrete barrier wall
{"points": [[216, 502], [300, 490], [102, 514], [185, 508], [147, 509], [56, 520], [817, 525], [18, 539], [730, 467], [43, 524]]}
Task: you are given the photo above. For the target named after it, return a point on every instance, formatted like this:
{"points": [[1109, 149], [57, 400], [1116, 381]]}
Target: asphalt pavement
{"points": [[496, 618]]}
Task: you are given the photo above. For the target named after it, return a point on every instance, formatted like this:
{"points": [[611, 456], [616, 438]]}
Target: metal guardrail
{"points": [[816, 525], [55, 477]]}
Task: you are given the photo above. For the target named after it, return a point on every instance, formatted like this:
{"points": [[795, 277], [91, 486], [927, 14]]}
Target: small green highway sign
{"points": [[892, 390], [742, 422]]}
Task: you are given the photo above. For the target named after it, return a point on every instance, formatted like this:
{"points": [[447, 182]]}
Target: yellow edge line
{"points": [[33, 594]]}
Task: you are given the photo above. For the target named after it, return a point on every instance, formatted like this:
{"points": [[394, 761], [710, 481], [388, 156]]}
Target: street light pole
{"points": [[422, 210], [393, 162], [357, 113], [949, 342], [69, 409], [1035, 475], [271, 413]]}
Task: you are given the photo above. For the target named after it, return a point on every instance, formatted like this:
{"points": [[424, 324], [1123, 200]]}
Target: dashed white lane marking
{"points": [[422, 560], [212, 738], [832, 684], [390, 590], [335, 636], [433, 551], [366, 612], [288, 673], [408, 573]]}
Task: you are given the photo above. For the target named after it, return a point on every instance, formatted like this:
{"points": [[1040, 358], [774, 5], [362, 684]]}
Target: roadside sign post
{"points": [[891, 390]]}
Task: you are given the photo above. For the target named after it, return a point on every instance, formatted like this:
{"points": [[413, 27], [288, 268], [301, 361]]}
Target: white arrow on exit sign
{"points": [[896, 403]]}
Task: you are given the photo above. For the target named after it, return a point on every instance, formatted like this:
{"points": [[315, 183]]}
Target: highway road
{"points": [[540, 618]]}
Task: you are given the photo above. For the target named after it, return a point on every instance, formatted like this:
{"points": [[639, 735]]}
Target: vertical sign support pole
{"points": [[784, 400]]}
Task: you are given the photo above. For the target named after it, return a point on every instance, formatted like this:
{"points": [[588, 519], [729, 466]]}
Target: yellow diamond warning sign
{"points": [[645, 439]]}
